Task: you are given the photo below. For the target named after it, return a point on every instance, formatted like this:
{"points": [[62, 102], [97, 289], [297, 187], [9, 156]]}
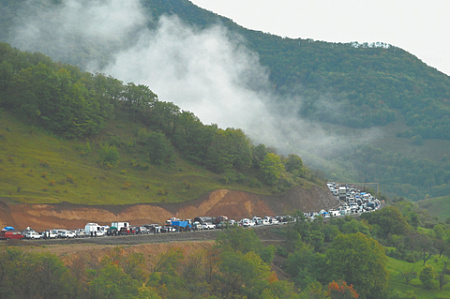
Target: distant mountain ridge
{"points": [[375, 81]]}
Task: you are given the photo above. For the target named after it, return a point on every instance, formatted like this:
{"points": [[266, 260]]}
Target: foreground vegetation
{"points": [[395, 252]]}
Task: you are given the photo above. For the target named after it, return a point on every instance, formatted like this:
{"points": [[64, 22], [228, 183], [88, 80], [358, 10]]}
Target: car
{"points": [[142, 230], [49, 234], [68, 234], [208, 225], [81, 233], [257, 220], [169, 229], [112, 231], [32, 235], [245, 222], [126, 231], [222, 225], [153, 228], [61, 233]]}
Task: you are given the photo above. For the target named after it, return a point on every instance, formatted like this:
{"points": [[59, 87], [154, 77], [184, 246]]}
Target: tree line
{"points": [[75, 104]]}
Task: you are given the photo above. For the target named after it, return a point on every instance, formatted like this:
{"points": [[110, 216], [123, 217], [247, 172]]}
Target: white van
{"points": [[95, 230]]}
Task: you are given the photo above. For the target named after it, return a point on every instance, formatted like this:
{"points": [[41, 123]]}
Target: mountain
{"points": [[82, 138], [382, 115]]}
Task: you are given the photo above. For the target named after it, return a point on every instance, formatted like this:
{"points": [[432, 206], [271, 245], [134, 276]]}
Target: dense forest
{"points": [[396, 252], [366, 85], [369, 82]]}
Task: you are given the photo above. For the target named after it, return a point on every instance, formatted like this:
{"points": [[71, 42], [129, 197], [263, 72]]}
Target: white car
{"points": [[68, 234], [50, 234], [247, 222], [209, 226], [33, 235]]}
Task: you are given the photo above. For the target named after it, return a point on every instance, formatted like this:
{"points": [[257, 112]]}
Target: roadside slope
{"points": [[234, 204]]}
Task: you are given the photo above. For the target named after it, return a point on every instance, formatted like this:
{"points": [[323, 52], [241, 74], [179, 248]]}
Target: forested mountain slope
{"points": [[62, 128], [372, 81], [354, 86]]}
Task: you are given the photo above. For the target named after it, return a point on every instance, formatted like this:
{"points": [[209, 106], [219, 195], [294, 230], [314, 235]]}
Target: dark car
{"points": [[112, 231], [141, 230]]}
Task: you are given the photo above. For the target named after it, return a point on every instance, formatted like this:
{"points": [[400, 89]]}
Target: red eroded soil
{"points": [[234, 204]]}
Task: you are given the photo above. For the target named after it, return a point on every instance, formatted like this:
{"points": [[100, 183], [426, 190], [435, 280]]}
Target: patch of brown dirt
{"points": [[234, 204]]}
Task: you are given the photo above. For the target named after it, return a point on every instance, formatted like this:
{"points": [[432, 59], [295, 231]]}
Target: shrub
{"points": [[44, 164], [162, 192], [187, 185], [70, 178], [109, 155], [427, 276]]}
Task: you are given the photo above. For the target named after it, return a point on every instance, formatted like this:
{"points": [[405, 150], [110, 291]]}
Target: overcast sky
{"points": [[421, 27]]}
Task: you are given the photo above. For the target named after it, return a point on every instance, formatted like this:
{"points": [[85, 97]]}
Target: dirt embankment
{"points": [[234, 204]]}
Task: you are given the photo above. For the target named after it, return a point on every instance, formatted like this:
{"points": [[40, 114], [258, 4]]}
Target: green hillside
{"points": [[437, 207], [344, 87], [72, 136], [39, 167]]}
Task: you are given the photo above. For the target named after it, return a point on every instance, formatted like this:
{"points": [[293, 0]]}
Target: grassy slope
{"points": [[36, 167], [437, 207], [415, 286]]}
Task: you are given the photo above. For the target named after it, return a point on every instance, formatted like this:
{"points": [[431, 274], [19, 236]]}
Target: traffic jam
{"points": [[350, 201]]}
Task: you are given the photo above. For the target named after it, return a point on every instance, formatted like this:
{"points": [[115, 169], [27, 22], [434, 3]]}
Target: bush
{"points": [[427, 276], [109, 155], [411, 257]]}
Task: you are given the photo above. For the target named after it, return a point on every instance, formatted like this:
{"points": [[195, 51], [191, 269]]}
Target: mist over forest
{"points": [[214, 72]]}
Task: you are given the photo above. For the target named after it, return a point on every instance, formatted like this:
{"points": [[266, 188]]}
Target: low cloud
{"points": [[206, 71]]}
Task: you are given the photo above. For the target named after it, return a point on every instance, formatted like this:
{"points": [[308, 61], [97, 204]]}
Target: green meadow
{"points": [[396, 283], [39, 167]]}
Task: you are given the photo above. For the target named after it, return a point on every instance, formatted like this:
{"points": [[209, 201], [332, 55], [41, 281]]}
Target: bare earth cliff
{"points": [[234, 204]]}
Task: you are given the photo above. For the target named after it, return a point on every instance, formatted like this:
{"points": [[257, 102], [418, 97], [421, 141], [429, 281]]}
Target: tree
{"points": [[427, 276], [314, 290], [442, 279], [110, 281], [407, 275], [361, 261], [421, 243], [244, 240], [159, 148], [294, 165], [243, 274], [272, 168], [259, 153], [340, 290], [389, 220], [305, 267]]}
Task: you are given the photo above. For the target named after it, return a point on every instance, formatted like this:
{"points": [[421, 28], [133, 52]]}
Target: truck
{"points": [[119, 225], [181, 225], [95, 230], [342, 193]]}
